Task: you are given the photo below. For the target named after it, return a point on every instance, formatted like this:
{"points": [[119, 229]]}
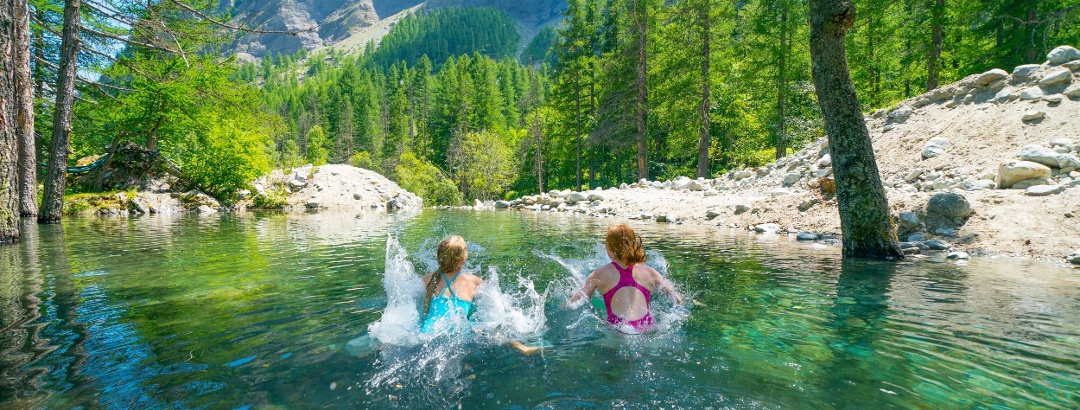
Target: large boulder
{"points": [[1059, 75], [1022, 72], [949, 204], [1062, 55], [991, 76], [946, 212], [1040, 154], [1011, 172]]}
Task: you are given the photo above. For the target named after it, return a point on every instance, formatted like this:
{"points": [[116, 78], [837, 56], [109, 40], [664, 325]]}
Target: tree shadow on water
{"points": [[858, 317]]}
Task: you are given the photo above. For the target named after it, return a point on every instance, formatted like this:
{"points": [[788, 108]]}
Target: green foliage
{"points": [[276, 197], [448, 32], [317, 153], [424, 179], [484, 164], [541, 49], [362, 159], [225, 157]]}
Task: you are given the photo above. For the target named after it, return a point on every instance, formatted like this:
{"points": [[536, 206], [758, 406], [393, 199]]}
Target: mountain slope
{"points": [[337, 21]]}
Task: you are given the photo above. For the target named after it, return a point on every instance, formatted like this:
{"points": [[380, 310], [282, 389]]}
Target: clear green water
{"points": [[256, 311]]}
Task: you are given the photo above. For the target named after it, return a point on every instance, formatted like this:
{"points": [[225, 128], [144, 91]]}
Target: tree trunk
{"points": [[24, 116], [9, 154], [937, 22], [781, 85], [706, 97], [52, 204], [1031, 51], [864, 210], [577, 135], [641, 15]]}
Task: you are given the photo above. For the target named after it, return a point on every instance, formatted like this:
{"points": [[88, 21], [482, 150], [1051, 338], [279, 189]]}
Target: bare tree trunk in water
{"points": [[9, 154], [864, 210], [706, 95], [641, 16], [24, 116], [52, 204], [937, 22]]}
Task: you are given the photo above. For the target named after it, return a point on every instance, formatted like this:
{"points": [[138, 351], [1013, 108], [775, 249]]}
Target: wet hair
{"points": [[451, 255], [624, 244]]}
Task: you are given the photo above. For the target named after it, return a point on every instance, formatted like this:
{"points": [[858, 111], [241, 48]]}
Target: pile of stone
{"points": [[336, 187]]}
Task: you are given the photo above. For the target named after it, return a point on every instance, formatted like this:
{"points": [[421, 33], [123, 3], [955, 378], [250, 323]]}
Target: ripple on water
{"points": [[262, 310]]}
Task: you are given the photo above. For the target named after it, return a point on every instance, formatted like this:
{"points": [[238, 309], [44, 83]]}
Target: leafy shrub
{"points": [[363, 160], [225, 158], [423, 178]]}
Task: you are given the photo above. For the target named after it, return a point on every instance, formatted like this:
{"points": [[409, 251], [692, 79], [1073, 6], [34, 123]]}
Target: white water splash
{"points": [[668, 315], [399, 322]]}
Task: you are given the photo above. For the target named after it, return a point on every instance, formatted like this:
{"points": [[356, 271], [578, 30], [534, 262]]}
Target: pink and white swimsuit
{"points": [[626, 278]]}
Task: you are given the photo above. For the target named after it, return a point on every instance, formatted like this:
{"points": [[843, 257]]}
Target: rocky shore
{"points": [[987, 166]]}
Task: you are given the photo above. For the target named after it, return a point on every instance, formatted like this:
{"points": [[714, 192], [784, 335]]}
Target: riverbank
{"points": [[985, 166]]}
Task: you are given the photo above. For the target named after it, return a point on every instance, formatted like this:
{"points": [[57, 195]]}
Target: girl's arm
{"points": [[666, 288], [586, 290]]}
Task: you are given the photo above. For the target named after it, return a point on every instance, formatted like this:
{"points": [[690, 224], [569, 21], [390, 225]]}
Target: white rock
{"points": [[791, 179], [913, 175], [1022, 72], [595, 197], [900, 114], [1034, 115], [1004, 95], [1053, 99], [711, 192], [695, 185], [740, 175], [1062, 55], [990, 76], [983, 184], [1044, 190], [1011, 172], [958, 255], [934, 147], [1057, 76], [825, 161], [1073, 91], [778, 192], [767, 228], [1040, 154], [1028, 183], [576, 197], [1031, 94]]}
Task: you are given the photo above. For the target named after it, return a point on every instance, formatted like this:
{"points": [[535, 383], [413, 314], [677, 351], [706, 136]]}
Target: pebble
{"points": [[1044, 190], [938, 245], [1034, 115], [958, 255]]}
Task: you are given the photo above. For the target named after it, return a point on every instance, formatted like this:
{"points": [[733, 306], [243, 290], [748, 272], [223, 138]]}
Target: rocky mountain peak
{"points": [[337, 20]]}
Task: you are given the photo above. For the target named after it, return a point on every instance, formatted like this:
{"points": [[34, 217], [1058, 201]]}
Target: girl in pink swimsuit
{"points": [[626, 283]]}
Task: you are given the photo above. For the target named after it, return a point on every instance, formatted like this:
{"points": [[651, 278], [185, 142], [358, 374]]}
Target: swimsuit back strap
{"points": [[448, 282]]}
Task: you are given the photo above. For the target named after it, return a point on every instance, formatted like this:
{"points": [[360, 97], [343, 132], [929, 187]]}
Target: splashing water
{"points": [[398, 325], [668, 314], [430, 365]]}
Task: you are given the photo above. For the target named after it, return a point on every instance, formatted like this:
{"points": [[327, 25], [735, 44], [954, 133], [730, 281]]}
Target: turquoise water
{"points": [[261, 311]]}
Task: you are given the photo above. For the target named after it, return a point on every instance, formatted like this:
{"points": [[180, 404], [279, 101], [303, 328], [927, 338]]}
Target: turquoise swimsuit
{"points": [[442, 307]]}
